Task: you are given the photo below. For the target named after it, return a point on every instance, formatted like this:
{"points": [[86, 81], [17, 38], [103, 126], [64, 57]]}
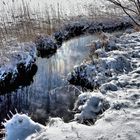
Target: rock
{"points": [[94, 105], [20, 69], [83, 76], [20, 126], [93, 75], [108, 87], [46, 46]]}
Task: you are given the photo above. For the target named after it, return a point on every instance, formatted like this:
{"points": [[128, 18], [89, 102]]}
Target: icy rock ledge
{"points": [[20, 68], [93, 75]]}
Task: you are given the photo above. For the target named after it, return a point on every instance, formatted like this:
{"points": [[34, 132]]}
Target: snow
{"points": [[19, 56], [48, 45], [20, 126], [108, 86], [94, 105], [120, 121], [113, 107], [113, 68]]}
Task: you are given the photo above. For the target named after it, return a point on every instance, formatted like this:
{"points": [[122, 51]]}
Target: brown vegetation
{"points": [[24, 23]]}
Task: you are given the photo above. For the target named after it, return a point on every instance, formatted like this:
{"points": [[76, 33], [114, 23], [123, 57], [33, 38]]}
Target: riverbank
{"points": [[112, 109], [17, 66], [47, 46], [19, 59]]}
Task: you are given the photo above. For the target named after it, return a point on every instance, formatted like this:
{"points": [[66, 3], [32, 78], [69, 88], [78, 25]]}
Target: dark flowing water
{"points": [[52, 73]]}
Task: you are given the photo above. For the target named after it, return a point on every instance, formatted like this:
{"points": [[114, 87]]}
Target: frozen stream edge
{"points": [[120, 121]]}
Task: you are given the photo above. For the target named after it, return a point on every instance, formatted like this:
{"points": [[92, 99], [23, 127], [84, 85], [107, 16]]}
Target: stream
{"points": [[52, 73]]}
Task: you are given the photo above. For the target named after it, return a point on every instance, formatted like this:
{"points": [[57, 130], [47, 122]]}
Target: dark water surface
{"points": [[51, 74]]}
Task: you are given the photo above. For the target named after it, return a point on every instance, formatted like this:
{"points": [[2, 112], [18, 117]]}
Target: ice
{"points": [[20, 126]]}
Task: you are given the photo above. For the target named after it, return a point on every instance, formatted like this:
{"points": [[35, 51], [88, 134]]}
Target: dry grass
{"points": [[24, 22], [137, 28]]}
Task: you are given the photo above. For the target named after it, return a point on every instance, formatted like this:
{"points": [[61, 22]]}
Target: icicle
{"points": [[36, 131], [16, 111], [11, 113], [5, 120], [3, 123], [8, 116]]}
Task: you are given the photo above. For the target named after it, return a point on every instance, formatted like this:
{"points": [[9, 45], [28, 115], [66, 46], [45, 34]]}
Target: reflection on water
{"points": [[51, 74]]}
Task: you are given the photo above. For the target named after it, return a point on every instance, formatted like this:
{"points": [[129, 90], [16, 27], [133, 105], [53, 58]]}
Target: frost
{"points": [[114, 113], [92, 105], [20, 126], [21, 64], [108, 87], [117, 65]]}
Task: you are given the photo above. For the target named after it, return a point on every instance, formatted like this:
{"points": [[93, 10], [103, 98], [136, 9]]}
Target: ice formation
{"points": [[20, 126]]}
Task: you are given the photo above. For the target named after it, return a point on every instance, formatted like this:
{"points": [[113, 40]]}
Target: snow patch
{"points": [[90, 106], [20, 126]]}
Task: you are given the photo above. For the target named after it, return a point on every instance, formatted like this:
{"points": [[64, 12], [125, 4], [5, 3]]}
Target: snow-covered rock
{"points": [[46, 46], [20, 67], [94, 74], [111, 65], [108, 87], [20, 126], [83, 75], [91, 107]]}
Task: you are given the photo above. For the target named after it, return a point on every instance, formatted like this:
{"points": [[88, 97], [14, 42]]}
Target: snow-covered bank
{"points": [[47, 46], [17, 65], [113, 69], [113, 107], [121, 121], [20, 126]]}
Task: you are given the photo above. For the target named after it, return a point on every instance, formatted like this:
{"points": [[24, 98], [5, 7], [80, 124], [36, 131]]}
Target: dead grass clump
{"points": [[137, 28]]}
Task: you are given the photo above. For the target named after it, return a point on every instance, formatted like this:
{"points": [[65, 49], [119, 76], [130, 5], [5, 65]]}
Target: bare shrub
{"points": [[130, 7]]}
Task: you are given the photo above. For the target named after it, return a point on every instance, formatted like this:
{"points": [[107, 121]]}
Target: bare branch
{"points": [[118, 3], [127, 10]]}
